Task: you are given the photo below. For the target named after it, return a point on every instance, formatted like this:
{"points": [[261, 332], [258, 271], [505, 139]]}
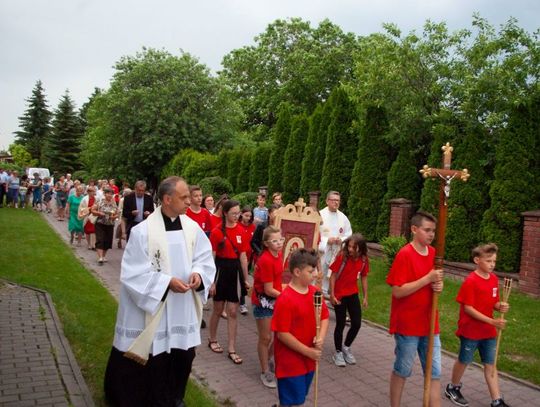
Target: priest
{"points": [[167, 270]]}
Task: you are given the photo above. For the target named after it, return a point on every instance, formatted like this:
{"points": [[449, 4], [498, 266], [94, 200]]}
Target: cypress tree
{"points": [[403, 181], [242, 182], [341, 146], [63, 146], [280, 139], [315, 150], [223, 163], [514, 189], [368, 182], [293, 158], [258, 173], [234, 167], [35, 124]]}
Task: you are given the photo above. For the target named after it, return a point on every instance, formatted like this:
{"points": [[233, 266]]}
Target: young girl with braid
{"points": [[350, 265], [229, 248]]}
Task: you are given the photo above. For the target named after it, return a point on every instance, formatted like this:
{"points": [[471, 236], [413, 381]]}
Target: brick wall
{"points": [[400, 215], [529, 272]]}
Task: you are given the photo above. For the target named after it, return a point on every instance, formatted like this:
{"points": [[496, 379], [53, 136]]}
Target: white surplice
{"points": [[143, 288]]}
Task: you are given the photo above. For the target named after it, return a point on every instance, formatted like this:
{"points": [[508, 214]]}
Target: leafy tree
{"points": [[156, 105], [242, 182], [21, 157], [368, 182], [63, 145], [341, 146], [292, 167], [258, 172], [315, 149], [511, 191], [280, 139], [403, 182], [83, 112], [35, 123], [290, 62]]}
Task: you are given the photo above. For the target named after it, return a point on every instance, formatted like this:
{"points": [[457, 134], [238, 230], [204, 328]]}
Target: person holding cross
{"points": [[413, 280]]}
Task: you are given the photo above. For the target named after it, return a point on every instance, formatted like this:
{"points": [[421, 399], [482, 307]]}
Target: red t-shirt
{"points": [[294, 313], [202, 218], [248, 233], [347, 283], [267, 270], [215, 221], [234, 240], [410, 315], [482, 294]]}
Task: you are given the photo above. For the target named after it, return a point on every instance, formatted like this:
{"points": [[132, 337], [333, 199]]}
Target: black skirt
{"points": [[229, 280], [104, 236]]}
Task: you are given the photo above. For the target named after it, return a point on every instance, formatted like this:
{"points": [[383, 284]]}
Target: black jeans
{"points": [[349, 304]]}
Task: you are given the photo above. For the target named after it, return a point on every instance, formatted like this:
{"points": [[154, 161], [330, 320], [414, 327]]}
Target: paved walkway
{"points": [[37, 366], [365, 384]]}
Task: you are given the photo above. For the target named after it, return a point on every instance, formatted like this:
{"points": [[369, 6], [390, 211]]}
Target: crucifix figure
{"points": [[446, 176]]}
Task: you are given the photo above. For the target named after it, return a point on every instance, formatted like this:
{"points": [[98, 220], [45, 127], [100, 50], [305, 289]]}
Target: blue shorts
{"points": [[486, 348], [294, 390], [406, 349], [262, 313]]}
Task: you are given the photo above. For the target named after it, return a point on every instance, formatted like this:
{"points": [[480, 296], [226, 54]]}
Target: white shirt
{"points": [[335, 224]]}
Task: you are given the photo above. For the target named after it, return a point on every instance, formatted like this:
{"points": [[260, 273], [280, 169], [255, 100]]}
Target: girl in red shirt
{"points": [[229, 248], [246, 223], [266, 288], [349, 266]]}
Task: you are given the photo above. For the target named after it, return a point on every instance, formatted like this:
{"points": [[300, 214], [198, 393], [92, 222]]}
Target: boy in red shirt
{"points": [[196, 212], [478, 297], [296, 348], [413, 282]]}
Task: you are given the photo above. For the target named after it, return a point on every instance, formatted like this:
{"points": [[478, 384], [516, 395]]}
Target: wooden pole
{"points": [[507, 289], [317, 305]]}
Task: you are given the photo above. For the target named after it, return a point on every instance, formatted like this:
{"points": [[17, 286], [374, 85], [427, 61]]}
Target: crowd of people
{"points": [[217, 255]]}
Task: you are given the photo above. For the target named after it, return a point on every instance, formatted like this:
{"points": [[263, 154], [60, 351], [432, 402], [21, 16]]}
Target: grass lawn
{"points": [[519, 352], [35, 255]]}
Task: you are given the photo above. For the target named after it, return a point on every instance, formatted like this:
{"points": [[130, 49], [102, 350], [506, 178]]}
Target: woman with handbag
{"points": [[266, 288], [350, 265], [106, 212], [88, 219]]}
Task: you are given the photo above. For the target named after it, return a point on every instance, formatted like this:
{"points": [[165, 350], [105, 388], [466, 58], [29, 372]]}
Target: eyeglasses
{"points": [[334, 200], [236, 214], [276, 241]]}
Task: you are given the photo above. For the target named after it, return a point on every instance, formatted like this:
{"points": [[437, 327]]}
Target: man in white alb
{"points": [[167, 270], [335, 228]]}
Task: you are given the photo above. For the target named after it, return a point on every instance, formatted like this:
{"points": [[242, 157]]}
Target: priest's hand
{"points": [[195, 280], [178, 286]]}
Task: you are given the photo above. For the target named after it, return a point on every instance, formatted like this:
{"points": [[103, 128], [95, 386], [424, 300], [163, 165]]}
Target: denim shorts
{"points": [[293, 391], [406, 349], [486, 348], [262, 313]]}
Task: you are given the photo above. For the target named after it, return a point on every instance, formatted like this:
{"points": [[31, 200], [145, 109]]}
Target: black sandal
{"points": [[237, 360]]}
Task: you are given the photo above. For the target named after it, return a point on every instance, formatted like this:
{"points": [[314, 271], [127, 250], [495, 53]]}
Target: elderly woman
{"points": [[106, 211], [75, 225]]}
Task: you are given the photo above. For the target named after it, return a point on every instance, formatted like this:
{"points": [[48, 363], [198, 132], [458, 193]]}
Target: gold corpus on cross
{"points": [[446, 176]]}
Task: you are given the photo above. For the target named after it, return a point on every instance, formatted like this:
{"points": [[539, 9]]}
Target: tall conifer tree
{"points": [[258, 173], [368, 182], [293, 158], [242, 182], [35, 124], [63, 145], [341, 146], [280, 139]]}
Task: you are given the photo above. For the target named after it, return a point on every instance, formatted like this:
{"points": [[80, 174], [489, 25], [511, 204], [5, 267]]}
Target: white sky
{"points": [[73, 44]]}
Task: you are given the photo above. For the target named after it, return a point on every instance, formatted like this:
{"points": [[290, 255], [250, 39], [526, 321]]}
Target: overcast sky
{"points": [[73, 44]]}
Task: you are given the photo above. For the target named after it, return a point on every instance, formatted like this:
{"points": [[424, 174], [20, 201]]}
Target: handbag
{"points": [[92, 219], [266, 301]]}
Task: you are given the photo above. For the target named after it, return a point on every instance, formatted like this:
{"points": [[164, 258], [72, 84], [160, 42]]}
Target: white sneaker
{"points": [[269, 380], [348, 356], [243, 309], [338, 359]]}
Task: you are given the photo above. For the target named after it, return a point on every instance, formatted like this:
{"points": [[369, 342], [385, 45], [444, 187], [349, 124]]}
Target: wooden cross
{"points": [[446, 176]]}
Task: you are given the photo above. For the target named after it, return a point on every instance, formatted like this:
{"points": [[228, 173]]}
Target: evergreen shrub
{"points": [[216, 186]]}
